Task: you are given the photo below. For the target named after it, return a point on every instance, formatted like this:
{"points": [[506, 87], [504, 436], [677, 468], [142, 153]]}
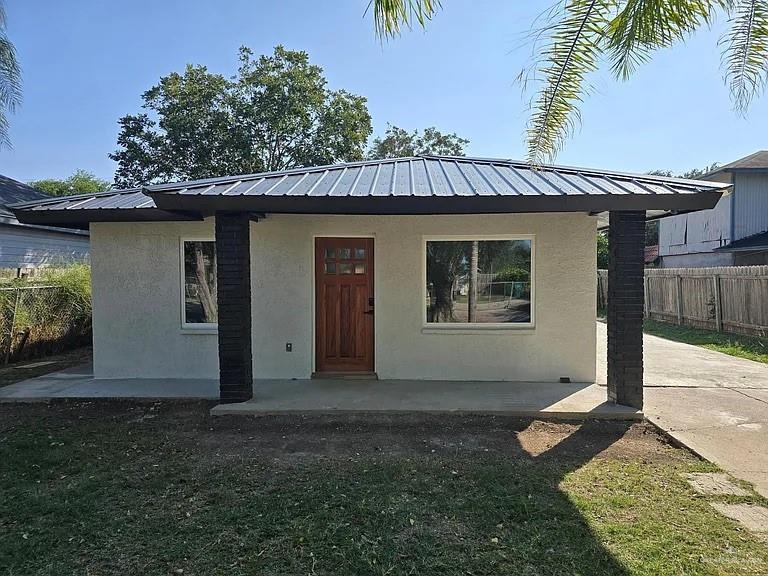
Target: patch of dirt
{"points": [[288, 438]]}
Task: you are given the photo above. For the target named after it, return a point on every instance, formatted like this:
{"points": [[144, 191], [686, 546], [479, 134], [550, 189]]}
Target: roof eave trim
{"points": [[86, 216], [56, 229], [415, 205]]}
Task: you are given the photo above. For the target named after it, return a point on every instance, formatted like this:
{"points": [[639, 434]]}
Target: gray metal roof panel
{"points": [[113, 199], [425, 176]]}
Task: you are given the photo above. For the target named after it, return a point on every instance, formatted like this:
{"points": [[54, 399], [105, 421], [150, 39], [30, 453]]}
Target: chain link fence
{"points": [[42, 319]]}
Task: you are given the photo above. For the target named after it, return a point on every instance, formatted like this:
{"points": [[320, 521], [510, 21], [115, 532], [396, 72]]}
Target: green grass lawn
{"points": [[120, 488], [750, 347]]}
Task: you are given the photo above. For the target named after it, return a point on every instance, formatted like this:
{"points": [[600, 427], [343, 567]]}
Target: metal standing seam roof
{"points": [[13, 192], [458, 180], [132, 198], [434, 176]]}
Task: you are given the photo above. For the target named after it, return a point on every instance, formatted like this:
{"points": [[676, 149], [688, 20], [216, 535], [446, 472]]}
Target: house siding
{"points": [[696, 232], [137, 316], [751, 207], [698, 260], [22, 247]]}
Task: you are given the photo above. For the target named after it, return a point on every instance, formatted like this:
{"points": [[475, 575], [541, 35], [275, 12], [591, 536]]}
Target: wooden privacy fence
{"points": [[726, 299]]}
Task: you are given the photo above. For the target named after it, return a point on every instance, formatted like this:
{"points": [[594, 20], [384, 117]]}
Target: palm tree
{"points": [[577, 36], [472, 297], [10, 80]]}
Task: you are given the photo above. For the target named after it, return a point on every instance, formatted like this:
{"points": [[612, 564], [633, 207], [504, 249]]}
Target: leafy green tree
{"points": [[577, 37], [699, 172], [276, 113], [692, 174], [81, 182], [602, 250], [398, 142], [10, 80], [652, 233]]}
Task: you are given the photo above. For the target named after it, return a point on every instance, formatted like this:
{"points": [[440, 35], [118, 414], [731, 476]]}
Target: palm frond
{"points": [[745, 56], [574, 44], [391, 15], [643, 26], [10, 81]]}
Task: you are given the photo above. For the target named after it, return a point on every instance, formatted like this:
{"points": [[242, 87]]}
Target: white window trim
{"points": [[475, 327], [191, 327]]}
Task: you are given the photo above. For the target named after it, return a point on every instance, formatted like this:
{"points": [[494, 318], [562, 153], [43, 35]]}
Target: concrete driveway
{"points": [[715, 404]]}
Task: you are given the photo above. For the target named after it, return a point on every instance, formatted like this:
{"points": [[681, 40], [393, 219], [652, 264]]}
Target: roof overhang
{"points": [[77, 230], [81, 218], [423, 205], [422, 185]]}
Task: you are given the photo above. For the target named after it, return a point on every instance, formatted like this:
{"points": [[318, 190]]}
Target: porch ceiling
{"points": [[417, 185]]}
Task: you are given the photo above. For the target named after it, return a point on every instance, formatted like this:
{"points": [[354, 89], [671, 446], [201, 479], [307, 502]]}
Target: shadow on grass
{"points": [[430, 495]]}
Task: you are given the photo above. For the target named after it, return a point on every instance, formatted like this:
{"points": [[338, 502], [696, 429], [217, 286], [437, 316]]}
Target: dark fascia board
{"points": [[422, 205], [81, 218], [55, 229]]}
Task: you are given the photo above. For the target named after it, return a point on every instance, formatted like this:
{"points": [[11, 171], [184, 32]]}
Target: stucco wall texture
{"points": [[137, 300]]}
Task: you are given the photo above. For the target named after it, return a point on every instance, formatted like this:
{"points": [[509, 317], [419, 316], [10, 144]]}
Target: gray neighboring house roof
{"points": [[754, 243], [414, 185], [13, 192], [755, 162]]}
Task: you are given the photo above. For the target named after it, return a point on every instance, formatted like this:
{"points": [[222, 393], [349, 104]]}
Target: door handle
{"points": [[368, 312]]}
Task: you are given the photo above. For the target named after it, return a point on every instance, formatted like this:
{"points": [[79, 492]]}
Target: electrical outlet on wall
{"points": [[289, 346]]}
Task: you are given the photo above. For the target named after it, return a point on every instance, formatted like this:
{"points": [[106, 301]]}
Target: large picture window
{"points": [[479, 281], [199, 283]]}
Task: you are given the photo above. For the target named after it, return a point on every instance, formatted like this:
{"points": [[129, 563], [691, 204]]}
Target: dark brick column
{"points": [[233, 269], [626, 242]]}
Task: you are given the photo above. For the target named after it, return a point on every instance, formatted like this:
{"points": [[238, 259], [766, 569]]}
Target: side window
{"points": [[199, 282]]}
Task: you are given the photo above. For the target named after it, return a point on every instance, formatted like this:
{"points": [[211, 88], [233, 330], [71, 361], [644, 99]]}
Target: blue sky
{"points": [[87, 62]]}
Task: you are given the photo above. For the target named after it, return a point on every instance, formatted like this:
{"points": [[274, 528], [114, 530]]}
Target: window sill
{"points": [[201, 330], [526, 329]]}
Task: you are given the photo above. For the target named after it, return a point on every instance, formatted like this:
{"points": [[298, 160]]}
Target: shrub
{"points": [[46, 314], [512, 274]]}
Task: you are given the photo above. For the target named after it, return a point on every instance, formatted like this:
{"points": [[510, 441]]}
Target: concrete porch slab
{"points": [[530, 399], [78, 383]]}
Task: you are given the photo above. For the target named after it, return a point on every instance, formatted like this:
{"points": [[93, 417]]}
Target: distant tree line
{"points": [[81, 182]]}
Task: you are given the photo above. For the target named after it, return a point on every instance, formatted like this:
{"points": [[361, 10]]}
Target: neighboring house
{"points": [[352, 269], [652, 256], [23, 246], [733, 233]]}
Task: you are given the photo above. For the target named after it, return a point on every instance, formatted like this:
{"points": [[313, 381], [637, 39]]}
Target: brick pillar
{"points": [[233, 269], [626, 242]]}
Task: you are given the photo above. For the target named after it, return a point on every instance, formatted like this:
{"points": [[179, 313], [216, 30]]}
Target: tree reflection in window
{"points": [[200, 282], [478, 281]]}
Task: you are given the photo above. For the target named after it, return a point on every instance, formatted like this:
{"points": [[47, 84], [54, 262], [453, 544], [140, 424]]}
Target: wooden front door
{"points": [[344, 304]]}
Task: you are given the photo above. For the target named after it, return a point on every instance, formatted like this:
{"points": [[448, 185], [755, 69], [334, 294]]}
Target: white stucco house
{"points": [[437, 268], [25, 247], [734, 232]]}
